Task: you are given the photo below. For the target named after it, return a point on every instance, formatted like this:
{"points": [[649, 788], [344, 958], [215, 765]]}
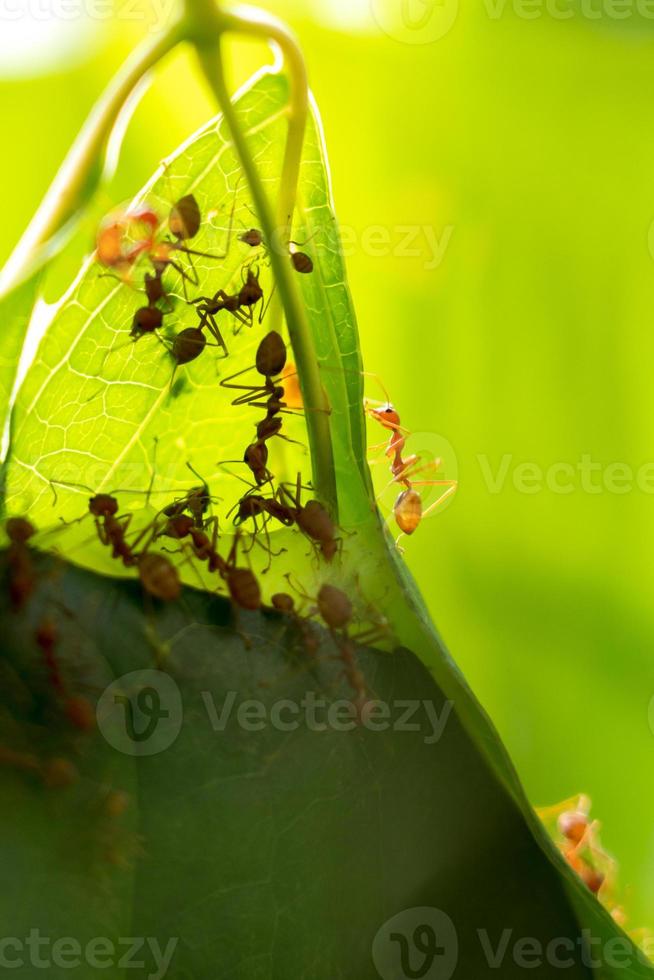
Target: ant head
{"points": [[103, 505], [19, 530], [573, 824], [387, 415]]}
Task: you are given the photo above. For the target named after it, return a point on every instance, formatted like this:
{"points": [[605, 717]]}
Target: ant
{"points": [[252, 506], [241, 304], [407, 509], [241, 582], [196, 501], [579, 842], [21, 568], [313, 519], [337, 612], [184, 220], [149, 318], [270, 361], [188, 344], [158, 575], [284, 603], [78, 709], [301, 262]]}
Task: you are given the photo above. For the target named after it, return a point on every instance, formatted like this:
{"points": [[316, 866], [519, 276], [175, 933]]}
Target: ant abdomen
{"points": [[185, 218], [188, 344], [146, 320], [159, 577], [271, 355], [302, 262], [244, 588], [408, 510]]}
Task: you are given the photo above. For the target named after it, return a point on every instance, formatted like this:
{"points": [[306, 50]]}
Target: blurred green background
{"points": [[523, 145]]}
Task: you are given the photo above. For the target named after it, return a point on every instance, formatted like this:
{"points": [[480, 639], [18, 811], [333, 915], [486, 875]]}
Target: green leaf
{"points": [[265, 848], [247, 858], [16, 308]]}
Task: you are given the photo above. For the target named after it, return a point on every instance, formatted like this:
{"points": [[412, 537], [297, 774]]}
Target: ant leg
{"points": [[208, 320], [264, 309], [193, 280], [442, 498], [102, 534]]}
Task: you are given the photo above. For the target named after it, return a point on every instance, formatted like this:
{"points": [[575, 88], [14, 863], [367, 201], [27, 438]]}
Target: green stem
{"points": [[82, 169], [211, 23]]}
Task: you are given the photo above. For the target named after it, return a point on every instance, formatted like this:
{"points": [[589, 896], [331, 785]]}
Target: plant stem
{"points": [[82, 168], [211, 25]]}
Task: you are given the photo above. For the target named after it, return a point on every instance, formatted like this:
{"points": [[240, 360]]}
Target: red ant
{"points": [[21, 568], [302, 262], [284, 603], [114, 251], [337, 612], [241, 582], [270, 360], [579, 842], [407, 508], [196, 501], [241, 304], [252, 506], [149, 318], [158, 576], [313, 519], [79, 710]]}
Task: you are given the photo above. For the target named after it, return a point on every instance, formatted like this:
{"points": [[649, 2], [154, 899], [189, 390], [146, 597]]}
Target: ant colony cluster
{"points": [[232, 554]]}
